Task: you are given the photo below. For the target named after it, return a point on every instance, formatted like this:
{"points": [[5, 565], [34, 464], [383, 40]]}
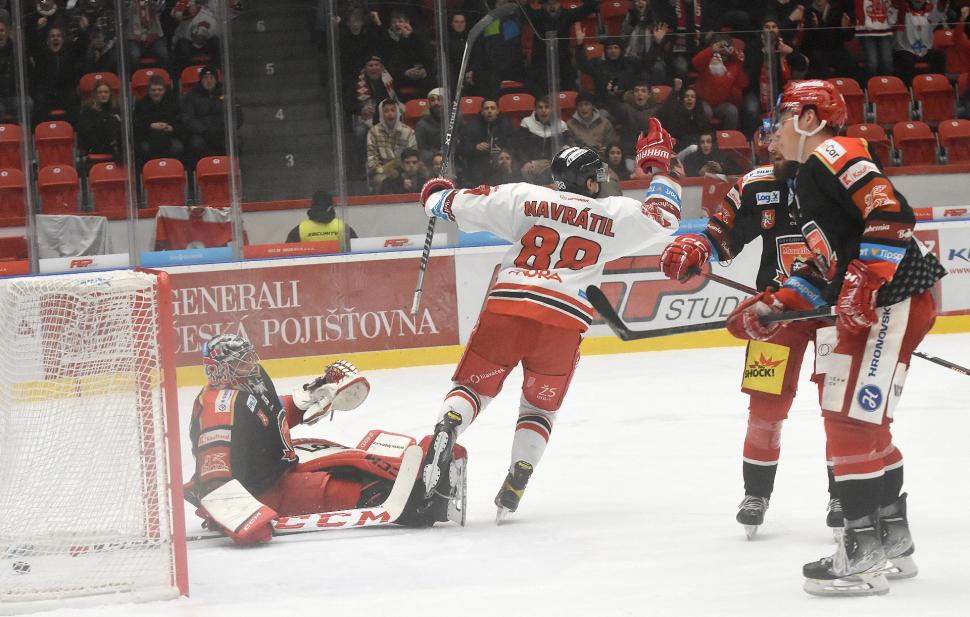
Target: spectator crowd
{"points": [[698, 65]]}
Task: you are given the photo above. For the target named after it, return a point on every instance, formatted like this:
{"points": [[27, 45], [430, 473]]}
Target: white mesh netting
{"points": [[84, 506]]}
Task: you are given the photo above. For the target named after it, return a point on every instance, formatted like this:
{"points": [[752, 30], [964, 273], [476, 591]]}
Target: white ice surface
{"points": [[631, 511]]}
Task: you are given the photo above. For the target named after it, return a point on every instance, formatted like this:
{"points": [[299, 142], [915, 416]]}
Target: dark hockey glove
{"points": [[656, 149], [433, 186], [686, 252], [857, 298], [743, 321]]}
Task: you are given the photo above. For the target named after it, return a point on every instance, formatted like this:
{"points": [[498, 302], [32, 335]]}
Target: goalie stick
{"points": [[602, 305], [750, 290], [385, 514], [497, 13]]}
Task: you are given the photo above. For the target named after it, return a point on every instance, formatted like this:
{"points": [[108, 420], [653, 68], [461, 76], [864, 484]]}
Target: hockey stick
{"points": [[496, 13], [750, 290], [602, 305], [385, 514]]}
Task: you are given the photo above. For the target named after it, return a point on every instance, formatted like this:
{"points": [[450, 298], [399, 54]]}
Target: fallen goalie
{"points": [[252, 480]]}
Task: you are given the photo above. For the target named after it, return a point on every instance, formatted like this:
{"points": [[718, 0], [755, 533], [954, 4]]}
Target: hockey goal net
{"points": [[90, 477]]}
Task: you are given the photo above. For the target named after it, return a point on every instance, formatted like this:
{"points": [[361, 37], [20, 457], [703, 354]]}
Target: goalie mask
{"points": [[572, 167], [229, 360]]}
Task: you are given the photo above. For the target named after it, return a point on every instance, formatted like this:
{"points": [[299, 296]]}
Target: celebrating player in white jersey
{"points": [[536, 310]]}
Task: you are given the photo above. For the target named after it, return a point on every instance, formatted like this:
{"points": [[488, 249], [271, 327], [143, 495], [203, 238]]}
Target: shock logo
{"points": [[762, 367]]}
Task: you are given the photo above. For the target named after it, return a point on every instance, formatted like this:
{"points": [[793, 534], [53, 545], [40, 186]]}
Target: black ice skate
{"points": [[752, 513], [858, 567], [437, 461], [897, 541], [510, 494], [834, 518]]}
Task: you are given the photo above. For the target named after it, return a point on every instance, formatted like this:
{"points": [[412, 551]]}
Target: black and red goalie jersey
{"points": [[760, 204], [241, 434], [848, 209]]}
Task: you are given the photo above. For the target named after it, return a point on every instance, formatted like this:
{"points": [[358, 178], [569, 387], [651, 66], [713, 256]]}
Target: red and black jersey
{"points": [[242, 435], [759, 205], [848, 209]]}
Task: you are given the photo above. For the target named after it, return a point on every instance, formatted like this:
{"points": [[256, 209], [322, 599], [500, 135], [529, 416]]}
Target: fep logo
{"points": [[395, 242], [81, 263]]}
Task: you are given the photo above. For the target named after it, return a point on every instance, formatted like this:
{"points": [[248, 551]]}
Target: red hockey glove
{"points": [[858, 297], [743, 321], [687, 251], [432, 186], [656, 149]]}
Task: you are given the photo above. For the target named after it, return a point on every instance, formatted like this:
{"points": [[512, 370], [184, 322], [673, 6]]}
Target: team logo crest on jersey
{"points": [[876, 198], [214, 463], [768, 219], [791, 251], [822, 251]]}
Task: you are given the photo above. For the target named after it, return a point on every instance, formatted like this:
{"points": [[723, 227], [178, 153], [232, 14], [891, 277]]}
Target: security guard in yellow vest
{"points": [[322, 224]]}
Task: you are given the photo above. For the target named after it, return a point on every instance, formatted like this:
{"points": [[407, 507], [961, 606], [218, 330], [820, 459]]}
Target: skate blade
{"points": [[502, 515], [872, 583], [432, 470], [901, 567], [751, 530]]}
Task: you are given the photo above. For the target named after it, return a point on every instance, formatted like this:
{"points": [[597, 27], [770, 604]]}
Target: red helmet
{"points": [[823, 96]]}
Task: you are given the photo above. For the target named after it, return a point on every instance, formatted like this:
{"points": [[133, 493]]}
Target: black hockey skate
{"points": [[752, 513], [834, 518], [437, 461], [510, 494], [858, 567], [897, 541]]}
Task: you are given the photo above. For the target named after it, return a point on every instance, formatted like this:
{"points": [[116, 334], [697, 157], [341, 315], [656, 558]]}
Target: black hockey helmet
{"points": [[572, 167], [222, 356]]}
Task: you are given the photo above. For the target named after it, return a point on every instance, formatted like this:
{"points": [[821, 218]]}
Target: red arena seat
{"points": [[10, 147], [11, 193], [934, 97], [86, 85], [855, 98], [890, 100], [613, 12], [734, 143], [469, 106], [58, 187], [876, 137], [164, 182], [516, 106], [107, 182], [915, 143], [956, 46], [567, 104], [212, 176], [190, 76], [413, 110], [661, 92], [955, 137], [54, 142], [139, 81]]}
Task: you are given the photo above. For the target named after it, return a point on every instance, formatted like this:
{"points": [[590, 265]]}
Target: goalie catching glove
{"points": [[341, 388]]}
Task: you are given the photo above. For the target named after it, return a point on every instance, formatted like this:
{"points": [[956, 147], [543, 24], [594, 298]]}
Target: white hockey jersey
{"points": [[561, 241]]}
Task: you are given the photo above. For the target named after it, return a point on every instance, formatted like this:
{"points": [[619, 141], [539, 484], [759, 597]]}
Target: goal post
{"points": [[91, 508]]}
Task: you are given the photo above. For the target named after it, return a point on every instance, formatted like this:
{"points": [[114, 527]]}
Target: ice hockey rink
{"points": [[631, 511]]}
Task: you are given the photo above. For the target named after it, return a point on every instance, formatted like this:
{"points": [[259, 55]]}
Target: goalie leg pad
{"points": [[245, 519], [298, 493]]}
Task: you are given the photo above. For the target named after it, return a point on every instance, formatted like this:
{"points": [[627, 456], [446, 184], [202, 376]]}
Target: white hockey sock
{"points": [[466, 403], [531, 433]]}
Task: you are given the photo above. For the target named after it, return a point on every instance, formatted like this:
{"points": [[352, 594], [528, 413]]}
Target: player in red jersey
{"points": [[866, 262]]}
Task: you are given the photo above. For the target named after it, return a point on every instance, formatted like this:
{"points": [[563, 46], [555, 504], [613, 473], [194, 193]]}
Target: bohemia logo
{"points": [[763, 367]]}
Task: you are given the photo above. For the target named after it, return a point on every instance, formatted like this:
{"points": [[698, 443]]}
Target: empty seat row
{"points": [[913, 143], [888, 101], [163, 180]]}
